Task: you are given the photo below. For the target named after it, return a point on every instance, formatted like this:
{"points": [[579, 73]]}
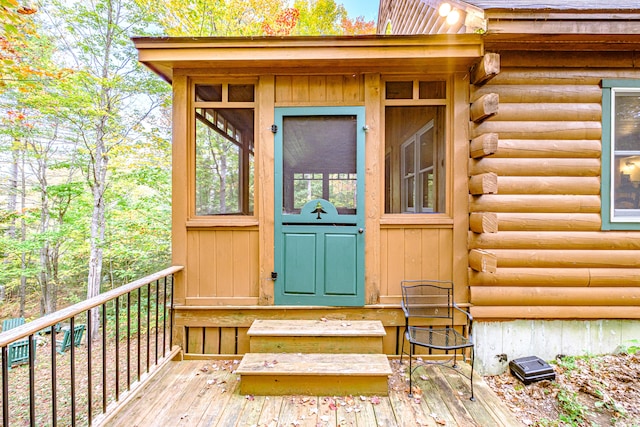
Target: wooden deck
{"points": [[207, 393]]}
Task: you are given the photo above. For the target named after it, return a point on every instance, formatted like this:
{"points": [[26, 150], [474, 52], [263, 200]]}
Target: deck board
{"points": [[183, 389]]}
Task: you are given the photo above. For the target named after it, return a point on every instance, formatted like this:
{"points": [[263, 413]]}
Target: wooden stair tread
{"points": [[314, 364], [317, 328]]}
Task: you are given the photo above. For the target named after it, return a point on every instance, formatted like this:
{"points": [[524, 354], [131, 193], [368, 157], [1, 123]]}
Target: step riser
{"points": [[363, 345], [326, 385]]}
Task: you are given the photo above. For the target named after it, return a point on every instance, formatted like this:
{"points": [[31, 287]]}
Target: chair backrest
{"points": [[431, 299], [12, 323], [78, 330], [18, 352]]}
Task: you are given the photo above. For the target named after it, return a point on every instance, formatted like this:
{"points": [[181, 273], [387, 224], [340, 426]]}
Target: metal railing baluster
{"points": [[76, 387]]}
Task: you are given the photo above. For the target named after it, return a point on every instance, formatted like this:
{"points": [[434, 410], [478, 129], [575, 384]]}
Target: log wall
{"points": [[552, 259]]}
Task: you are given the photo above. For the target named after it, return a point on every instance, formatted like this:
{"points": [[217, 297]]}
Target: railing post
{"points": [[89, 373], [5, 386], [117, 310], [32, 380], [54, 377], [73, 371]]}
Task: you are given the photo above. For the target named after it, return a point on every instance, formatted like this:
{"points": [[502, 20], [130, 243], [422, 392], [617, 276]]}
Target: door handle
{"points": [[360, 230]]}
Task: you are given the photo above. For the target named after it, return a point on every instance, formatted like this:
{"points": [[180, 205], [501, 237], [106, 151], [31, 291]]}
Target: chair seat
{"points": [[437, 338]]}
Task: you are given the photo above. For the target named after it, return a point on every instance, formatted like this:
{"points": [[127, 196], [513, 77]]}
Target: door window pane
{"points": [[319, 161]]}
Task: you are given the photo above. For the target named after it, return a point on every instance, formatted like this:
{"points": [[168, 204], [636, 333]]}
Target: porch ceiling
{"points": [[266, 55]]}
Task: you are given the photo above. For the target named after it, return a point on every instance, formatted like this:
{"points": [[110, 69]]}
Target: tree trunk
{"points": [[97, 174]]}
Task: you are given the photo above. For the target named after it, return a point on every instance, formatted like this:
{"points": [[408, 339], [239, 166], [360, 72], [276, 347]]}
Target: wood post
{"points": [[485, 107], [486, 69]]}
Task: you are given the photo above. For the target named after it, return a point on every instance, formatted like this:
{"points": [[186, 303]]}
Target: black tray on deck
{"points": [[531, 369]]}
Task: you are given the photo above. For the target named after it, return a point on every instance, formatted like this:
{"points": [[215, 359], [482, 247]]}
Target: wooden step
{"points": [[314, 374], [316, 336]]}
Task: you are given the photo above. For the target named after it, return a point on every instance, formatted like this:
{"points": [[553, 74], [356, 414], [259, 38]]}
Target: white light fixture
{"points": [[447, 11], [453, 17], [444, 9]]}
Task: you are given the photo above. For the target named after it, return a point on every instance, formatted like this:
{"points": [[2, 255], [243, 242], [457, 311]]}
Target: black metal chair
{"points": [[432, 299]]}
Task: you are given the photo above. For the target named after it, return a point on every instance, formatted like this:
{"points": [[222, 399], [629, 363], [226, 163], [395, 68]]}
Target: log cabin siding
{"points": [[553, 260]]}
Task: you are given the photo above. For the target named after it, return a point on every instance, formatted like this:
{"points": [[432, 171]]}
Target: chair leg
{"points": [[473, 355], [410, 370], [402, 348]]}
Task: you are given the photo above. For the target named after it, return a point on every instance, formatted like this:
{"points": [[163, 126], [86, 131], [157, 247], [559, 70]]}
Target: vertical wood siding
{"points": [[411, 253], [319, 90], [222, 263]]}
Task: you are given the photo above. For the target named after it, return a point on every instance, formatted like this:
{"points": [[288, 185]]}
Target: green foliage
{"points": [[319, 17], [47, 130], [573, 412]]}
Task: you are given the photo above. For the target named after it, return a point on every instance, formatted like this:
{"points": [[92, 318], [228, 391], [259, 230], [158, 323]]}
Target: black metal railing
{"points": [[74, 366]]}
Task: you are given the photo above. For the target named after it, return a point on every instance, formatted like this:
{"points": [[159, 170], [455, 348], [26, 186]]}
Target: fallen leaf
{"points": [[250, 397], [375, 400]]}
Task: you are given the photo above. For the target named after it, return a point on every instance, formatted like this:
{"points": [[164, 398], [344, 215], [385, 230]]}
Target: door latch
{"points": [[274, 276]]}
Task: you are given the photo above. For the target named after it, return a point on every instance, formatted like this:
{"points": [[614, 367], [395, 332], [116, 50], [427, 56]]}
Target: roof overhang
{"points": [[347, 54]]}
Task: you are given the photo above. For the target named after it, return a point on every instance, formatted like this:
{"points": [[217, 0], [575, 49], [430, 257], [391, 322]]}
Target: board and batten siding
{"points": [[552, 261]]}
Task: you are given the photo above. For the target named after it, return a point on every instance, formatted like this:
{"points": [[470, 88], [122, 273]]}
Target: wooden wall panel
{"points": [[549, 246], [223, 264], [411, 253], [319, 90]]}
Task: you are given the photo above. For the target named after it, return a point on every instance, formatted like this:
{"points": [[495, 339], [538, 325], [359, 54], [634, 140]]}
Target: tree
{"points": [[114, 96], [198, 18]]}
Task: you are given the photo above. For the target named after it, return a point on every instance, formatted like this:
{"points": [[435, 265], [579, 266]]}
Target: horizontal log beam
{"points": [[486, 183], [486, 69], [534, 203], [538, 129], [527, 112], [484, 107], [483, 222], [577, 185], [619, 240], [538, 167], [559, 296], [483, 145], [560, 76], [482, 261], [553, 277], [561, 258], [554, 312], [553, 148], [507, 221], [564, 59], [512, 93]]}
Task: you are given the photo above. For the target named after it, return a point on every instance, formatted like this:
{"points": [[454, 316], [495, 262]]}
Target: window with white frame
{"points": [[418, 172], [621, 154]]}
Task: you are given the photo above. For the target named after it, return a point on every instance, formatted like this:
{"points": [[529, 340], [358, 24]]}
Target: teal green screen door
{"points": [[319, 206]]}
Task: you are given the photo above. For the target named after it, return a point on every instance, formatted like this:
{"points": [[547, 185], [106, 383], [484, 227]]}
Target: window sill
{"points": [[226, 221], [427, 219]]}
